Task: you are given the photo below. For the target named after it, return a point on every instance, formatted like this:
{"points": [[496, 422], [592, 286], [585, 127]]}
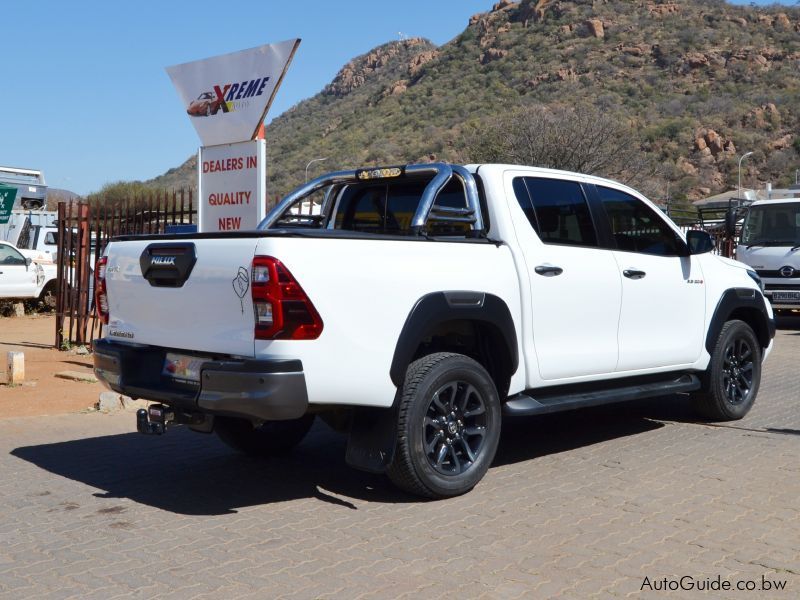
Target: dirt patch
{"points": [[42, 393]]}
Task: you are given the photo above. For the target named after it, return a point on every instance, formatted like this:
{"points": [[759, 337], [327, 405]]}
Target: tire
{"points": [[47, 299], [733, 375], [271, 438], [448, 426]]}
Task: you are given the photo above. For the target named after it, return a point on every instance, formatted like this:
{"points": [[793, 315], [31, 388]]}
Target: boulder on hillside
{"points": [[695, 60], [595, 28], [700, 143], [633, 50], [782, 22], [660, 10], [420, 59], [685, 167], [714, 141], [566, 75], [781, 143], [493, 54], [503, 4], [397, 88], [533, 11], [710, 144]]}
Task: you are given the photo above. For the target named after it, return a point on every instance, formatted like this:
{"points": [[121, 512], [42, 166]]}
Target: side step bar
{"points": [[549, 401]]}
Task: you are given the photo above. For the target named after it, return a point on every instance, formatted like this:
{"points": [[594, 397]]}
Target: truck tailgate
{"points": [[188, 294]]}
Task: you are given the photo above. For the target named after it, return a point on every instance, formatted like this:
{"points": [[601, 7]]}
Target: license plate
{"points": [[183, 367], [786, 296]]}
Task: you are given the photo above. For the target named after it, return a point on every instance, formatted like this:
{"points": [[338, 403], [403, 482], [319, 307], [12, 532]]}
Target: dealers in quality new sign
{"points": [[232, 180], [227, 96]]}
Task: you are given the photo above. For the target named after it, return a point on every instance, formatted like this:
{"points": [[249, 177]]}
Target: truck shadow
{"points": [[194, 474], [788, 322]]}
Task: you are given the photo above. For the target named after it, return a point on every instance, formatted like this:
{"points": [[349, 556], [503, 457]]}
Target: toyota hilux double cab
{"points": [[413, 307]]}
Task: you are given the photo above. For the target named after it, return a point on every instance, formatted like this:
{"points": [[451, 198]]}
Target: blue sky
{"points": [[87, 97]]}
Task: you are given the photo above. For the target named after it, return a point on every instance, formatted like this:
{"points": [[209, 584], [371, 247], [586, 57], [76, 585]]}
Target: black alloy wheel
{"points": [[454, 428], [730, 384], [448, 426], [737, 370]]}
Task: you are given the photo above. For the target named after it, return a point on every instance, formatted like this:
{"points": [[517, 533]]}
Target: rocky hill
{"points": [[699, 81]]}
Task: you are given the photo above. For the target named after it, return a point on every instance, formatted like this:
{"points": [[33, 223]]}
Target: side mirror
{"points": [[730, 222], [28, 261], [699, 242]]}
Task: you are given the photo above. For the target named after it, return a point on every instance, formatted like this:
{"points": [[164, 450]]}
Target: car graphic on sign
{"points": [[205, 105]]}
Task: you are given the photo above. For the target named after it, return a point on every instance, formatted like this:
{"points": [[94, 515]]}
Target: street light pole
{"points": [[740, 175], [311, 162]]}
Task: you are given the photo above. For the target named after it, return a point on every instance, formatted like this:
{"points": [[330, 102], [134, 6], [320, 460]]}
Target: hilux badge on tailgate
{"points": [[162, 261]]}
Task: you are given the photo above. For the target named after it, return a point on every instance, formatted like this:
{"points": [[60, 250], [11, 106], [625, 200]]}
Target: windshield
{"points": [[772, 225]]}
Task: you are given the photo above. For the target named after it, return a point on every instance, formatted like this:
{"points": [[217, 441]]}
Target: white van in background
{"points": [[770, 244]]}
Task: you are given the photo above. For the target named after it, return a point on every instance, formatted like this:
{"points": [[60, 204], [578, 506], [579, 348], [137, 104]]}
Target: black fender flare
{"points": [[732, 300], [439, 307]]}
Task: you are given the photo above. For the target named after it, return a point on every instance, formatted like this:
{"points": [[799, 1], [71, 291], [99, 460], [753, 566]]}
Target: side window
{"points": [[524, 199], [9, 256], [636, 227], [557, 210]]}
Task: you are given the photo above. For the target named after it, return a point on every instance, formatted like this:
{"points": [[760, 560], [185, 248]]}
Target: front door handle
{"points": [[548, 270], [634, 273]]}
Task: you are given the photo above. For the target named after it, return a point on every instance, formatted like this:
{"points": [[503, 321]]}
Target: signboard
{"points": [[231, 189], [228, 96], [7, 196]]}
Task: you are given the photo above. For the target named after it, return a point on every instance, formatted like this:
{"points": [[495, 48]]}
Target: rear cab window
{"points": [[381, 207]]}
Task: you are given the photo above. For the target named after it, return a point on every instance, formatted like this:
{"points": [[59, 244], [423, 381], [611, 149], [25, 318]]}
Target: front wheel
{"points": [[47, 299], [448, 426], [733, 375], [271, 438]]}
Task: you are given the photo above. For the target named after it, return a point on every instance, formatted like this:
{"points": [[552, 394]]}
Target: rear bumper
{"points": [[271, 390]]}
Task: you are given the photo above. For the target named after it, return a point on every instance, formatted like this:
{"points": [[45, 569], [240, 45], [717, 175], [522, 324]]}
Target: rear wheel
{"points": [[268, 439], [733, 376], [448, 426], [47, 299]]}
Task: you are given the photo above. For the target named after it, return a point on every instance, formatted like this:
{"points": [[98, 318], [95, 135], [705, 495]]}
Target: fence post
{"points": [[83, 266], [61, 287]]}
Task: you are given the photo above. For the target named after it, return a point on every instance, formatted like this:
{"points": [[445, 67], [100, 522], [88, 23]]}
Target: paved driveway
{"points": [[598, 503]]}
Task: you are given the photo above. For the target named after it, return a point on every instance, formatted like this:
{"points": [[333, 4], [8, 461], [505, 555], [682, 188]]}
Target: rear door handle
{"points": [[548, 270], [634, 273]]}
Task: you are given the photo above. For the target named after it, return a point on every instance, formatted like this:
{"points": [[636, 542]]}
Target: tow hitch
{"points": [[154, 419]]}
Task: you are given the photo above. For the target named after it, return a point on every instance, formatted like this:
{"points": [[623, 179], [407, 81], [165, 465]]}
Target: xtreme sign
{"points": [[238, 91]]}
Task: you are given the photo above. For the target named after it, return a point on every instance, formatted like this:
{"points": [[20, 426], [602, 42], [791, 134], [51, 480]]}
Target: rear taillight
{"points": [[100, 293], [281, 308]]}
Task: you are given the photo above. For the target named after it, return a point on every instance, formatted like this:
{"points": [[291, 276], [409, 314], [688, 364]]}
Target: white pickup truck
{"points": [[414, 306], [27, 275]]}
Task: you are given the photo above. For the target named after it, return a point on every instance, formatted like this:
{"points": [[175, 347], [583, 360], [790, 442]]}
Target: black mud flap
{"points": [[370, 445]]}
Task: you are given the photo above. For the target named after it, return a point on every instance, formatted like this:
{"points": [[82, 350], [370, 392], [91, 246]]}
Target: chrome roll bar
{"points": [[442, 174]]}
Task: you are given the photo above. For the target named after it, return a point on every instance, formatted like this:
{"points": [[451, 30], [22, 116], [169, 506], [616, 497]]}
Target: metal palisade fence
{"points": [[84, 230]]}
